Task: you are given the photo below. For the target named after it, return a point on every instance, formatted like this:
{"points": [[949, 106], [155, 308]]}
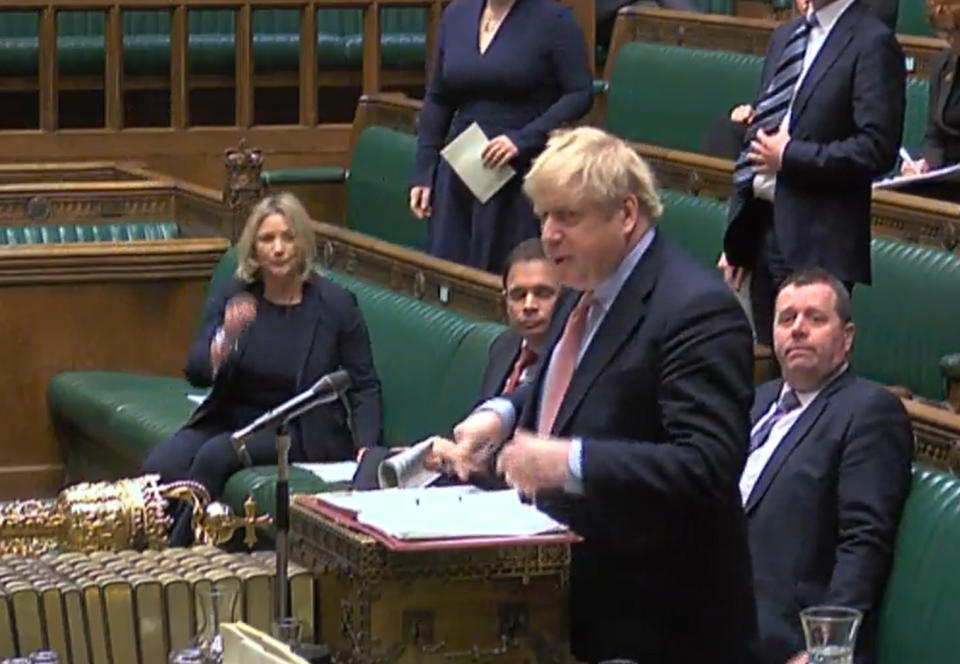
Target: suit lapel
{"points": [[313, 298], [626, 312], [841, 34], [794, 437], [946, 85]]}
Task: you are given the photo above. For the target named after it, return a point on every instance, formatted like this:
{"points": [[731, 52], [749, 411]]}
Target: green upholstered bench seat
{"points": [[429, 360], [306, 175], [918, 617], [69, 233], [678, 116], [210, 42]]}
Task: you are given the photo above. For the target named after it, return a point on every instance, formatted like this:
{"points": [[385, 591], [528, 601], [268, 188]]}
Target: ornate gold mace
{"points": [[112, 516]]}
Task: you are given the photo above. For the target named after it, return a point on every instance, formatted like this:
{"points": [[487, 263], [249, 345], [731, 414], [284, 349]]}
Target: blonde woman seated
{"points": [[276, 329]]}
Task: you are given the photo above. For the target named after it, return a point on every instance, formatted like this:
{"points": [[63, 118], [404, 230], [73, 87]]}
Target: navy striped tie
{"points": [[787, 403], [773, 105]]}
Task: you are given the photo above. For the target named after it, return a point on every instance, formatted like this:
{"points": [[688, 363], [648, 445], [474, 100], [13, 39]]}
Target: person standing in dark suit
{"points": [[633, 428], [826, 122], [827, 475], [518, 68], [530, 291], [269, 334]]}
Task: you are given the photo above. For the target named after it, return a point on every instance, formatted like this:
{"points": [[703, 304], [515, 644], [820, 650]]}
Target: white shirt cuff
{"points": [[575, 462], [508, 414]]}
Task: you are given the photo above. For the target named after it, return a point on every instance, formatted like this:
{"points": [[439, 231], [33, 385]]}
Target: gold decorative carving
{"points": [[113, 516], [242, 188], [38, 208]]}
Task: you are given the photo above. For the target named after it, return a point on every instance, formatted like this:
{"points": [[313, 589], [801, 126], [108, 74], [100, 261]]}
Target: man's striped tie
{"points": [[773, 105]]}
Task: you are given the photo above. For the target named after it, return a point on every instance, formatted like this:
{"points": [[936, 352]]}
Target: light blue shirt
{"points": [[604, 295]]}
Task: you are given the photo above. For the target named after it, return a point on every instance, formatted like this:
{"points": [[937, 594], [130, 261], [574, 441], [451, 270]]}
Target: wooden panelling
{"points": [[121, 307]]}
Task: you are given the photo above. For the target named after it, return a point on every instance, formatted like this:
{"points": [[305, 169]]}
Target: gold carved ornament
{"points": [[113, 516]]}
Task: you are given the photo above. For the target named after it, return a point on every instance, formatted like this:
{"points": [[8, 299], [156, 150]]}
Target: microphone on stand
{"points": [[325, 390]]}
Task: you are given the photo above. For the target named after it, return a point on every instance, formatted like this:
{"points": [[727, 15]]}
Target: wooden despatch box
{"points": [[384, 601]]}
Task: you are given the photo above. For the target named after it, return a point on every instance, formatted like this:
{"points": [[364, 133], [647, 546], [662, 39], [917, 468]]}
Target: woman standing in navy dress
{"points": [[518, 68]]}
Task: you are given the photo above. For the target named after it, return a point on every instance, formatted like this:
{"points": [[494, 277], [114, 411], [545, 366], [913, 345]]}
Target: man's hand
{"points": [[498, 151], [743, 113], [476, 437], [530, 463], [766, 150], [914, 167], [240, 312], [734, 276], [800, 658], [442, 454]]}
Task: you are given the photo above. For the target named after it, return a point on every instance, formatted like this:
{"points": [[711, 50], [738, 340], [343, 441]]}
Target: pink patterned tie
{"points": [[564, 362]]}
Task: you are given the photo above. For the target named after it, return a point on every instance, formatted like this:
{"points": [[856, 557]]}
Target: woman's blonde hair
{"points": [[290, 207], [596, 166]]}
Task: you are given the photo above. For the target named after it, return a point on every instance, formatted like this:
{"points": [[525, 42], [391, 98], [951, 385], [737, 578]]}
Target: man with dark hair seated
{"points": [[827, 473], [530, 289]]}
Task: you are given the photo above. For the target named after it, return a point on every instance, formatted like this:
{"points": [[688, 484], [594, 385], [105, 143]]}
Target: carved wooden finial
{"points": [[242, 188]]}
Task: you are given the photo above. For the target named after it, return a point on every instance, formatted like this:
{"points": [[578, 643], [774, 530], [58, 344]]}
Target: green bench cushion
{"points": [[696, 223], [211, 35], [378, 186], [309, 175], [261, 483], [912, 19], [70, 233], [919, 615], [909, 318]]}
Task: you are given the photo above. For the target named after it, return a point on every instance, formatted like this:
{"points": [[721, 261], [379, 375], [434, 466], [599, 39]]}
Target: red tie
{"points": [[564, 362], [526, 358]]}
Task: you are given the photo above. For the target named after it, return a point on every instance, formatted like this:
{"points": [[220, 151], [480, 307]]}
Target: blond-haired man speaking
{"points": [[634, 428]]}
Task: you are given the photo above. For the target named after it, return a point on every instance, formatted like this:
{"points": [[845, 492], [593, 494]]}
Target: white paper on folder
{"points": [[949, 173], [445, 512], [463, 155], [334, 471]]}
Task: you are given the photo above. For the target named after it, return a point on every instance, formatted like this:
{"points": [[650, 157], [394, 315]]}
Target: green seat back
{"points": [[378, 186], [909, 318], [71, 233], [915, 117], [912, 18], [921, 610], [715, 6], [669, 95], [695, 223]]}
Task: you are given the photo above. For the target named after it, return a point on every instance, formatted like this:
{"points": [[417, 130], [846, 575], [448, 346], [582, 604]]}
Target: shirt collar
{"points": [[607, 290], [829, 15], [807, 397]]}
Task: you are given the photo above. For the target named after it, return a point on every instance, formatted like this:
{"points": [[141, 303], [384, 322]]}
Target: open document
{"points": [[945, 174], [463, 155], [444, 512]]}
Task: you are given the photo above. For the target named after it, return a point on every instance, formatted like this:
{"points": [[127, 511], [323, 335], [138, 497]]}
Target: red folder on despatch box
{"points": [[348, 519]]}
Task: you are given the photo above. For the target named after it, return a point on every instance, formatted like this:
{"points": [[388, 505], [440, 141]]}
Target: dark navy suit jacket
{"points": [[661, 400], [334, 336], [845, 130], [822, 517]]}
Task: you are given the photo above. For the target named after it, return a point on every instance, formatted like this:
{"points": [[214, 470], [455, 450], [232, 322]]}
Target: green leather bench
{"points": [[429, 361], [645, 104], [70, 233], [912, 19], [920, 609], [378, 185], [146, 40], [901, 337]]}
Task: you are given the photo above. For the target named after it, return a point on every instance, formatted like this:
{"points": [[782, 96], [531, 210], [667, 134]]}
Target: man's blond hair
{"points": [[290, 208], [595, 166]]}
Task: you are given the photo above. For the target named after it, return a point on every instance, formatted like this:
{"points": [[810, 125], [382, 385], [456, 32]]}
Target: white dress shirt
{"points": [[764, 185], [757, 461]]}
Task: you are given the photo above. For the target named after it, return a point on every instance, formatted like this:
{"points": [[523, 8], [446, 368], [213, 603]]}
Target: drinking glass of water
{"points": [[831, 632]]}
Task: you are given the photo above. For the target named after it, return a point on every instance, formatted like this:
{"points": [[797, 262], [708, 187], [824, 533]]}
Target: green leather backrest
{"points": [[669, 95], [715, 6], [912, 18], [429, 360], [695, 223], [915, 117], [70, 233], [378, 186], [919, 618], [909, 318]]}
